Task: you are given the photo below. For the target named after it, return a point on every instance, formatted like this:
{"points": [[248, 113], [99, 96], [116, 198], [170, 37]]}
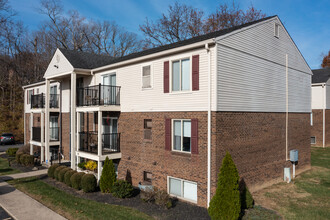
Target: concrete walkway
{"points": [[20, 205]]}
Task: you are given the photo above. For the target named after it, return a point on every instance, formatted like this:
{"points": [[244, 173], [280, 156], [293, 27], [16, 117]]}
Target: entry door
{"points": [[110, 130], [53, 97], [53, 120], [109, 89]]}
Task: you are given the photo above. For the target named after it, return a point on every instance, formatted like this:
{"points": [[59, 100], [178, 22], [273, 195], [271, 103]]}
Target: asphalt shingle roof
{"points": [[90, 61], [321, 75]]}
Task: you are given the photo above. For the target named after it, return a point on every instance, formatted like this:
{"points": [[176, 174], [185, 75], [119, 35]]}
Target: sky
{"points": [[307, 21]]}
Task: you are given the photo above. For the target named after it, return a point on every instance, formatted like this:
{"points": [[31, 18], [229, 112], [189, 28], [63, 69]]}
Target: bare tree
{"points": [[181, 22]]}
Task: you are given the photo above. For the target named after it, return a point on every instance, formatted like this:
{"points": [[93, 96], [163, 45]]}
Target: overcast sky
{"points": [[307, 21]]}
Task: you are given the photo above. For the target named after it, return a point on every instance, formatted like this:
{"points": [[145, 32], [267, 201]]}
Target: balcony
{"points": [[110, 143], [53, 101], [38, 101], [100, 95], [36, 134]]}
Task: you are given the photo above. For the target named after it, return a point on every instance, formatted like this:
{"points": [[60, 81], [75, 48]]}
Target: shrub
{"points": [[11, 151], [225, 204], [62, 172], [57, 170], [18, 157], [76, 180], [247, 201], [82, 165], [67, 177], [24, 149], [91, 165], [108, 176], [51, 170], [149, 194], [88, 183], [27, 160], [122, 189], [163, 199]]}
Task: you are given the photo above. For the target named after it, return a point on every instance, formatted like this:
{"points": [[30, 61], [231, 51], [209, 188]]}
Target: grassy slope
{"points": [[73, 207], [5, 169]]}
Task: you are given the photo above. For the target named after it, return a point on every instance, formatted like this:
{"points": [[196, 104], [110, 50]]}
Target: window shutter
{"points": [[194, 136], [168, 134], [195, 72], [166, 77]]}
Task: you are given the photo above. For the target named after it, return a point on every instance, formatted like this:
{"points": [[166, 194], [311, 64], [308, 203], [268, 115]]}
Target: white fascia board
{"points": [[155, 55], [34, 84]]}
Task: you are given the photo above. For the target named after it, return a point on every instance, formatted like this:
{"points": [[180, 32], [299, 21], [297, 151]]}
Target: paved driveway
{"points": [[3, 148]]}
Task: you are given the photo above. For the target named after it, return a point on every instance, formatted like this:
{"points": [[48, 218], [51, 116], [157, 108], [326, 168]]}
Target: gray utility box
{"points": [[294, 155]]}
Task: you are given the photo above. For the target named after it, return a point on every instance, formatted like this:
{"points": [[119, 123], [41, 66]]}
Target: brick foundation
{"points": [[317, 127]]}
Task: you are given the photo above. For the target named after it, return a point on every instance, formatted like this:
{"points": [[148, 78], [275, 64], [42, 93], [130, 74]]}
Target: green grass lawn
{"points": [[308, 196], [73, 207], [5, 169]]}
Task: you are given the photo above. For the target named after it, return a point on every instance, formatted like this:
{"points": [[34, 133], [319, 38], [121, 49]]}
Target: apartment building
{"points": [[320, 115], [166, 116]]}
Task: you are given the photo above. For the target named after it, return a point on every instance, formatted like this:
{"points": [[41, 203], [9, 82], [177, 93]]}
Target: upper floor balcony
{"points": [[110, 143], [99, 95], [38, 101]]}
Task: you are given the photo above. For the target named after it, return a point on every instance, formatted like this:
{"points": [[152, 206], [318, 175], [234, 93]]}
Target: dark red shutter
{"points": [[168, 134], [194, 136], [166, 77], [195, 72]]}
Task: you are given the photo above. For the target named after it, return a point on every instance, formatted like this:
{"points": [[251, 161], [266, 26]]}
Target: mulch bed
{"points": [[180, 210], [22, 168]]}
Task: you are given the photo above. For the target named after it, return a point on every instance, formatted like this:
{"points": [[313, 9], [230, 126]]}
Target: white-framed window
{"points": [[29, 94], [311, 118], [276, 30], [313, 140], [183, 189], [181, 133], [146, 76], [181, 75]]}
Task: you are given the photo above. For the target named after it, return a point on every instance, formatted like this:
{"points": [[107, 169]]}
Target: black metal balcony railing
{"points": [[110, 142], [98, 95], [53, 101], [36, 134], [53, 133], [38, 101]]}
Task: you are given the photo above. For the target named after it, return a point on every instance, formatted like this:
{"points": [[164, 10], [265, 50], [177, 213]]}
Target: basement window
{"points": [[277, 30], [313, 140], [147, 177], [147, 129]]}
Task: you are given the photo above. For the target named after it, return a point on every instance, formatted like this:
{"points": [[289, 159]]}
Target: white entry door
{"points": [[109, 92], [110, 133]]}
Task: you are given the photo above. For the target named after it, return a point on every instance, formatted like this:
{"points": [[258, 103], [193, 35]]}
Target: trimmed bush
{"points": [[27, 160], [11, 151], [225, 204], [24, 149], [62, 172], [88, 183], [67, 177], [122, 189], [18, 157], [163, 199], [108, 177], [51, 170], [76, 180], [57, 170]]}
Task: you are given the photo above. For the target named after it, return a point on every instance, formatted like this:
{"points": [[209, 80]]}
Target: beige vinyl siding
{"points": [[61, 62], [135, 99], [317, 97], [252, 73]]}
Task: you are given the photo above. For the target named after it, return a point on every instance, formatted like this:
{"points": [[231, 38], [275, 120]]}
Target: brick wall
{"points": [[66, 135], [317, 127], [256, 142]]}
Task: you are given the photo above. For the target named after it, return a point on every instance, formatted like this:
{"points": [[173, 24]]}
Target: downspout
{"points": [[287, 107], [24, 117], [209, 128], [324, 106]]}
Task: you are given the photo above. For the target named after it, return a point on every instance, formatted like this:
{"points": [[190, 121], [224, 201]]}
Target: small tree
{"points": [[225, 204], [108, 177]]}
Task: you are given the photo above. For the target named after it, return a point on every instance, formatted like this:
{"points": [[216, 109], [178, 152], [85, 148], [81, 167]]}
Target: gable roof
{"points": [[85, 60], [321, 75]]}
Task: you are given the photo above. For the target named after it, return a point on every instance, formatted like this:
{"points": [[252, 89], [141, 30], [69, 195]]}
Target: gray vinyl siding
{"points": [[252, 74]]}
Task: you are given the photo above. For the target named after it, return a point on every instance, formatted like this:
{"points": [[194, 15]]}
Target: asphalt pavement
{"points": [[3, 148], [4, 215]]}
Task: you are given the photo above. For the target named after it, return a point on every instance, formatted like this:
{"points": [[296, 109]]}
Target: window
{"points": [[147, 129], [181, 75], [313, 140], [147, 176], [182, 189], [146, 77], [181, 135], [29, 94], [277, 30], [311, 118]]}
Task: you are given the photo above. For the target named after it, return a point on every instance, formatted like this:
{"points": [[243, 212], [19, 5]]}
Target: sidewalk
{"points": [[20, 205]]}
